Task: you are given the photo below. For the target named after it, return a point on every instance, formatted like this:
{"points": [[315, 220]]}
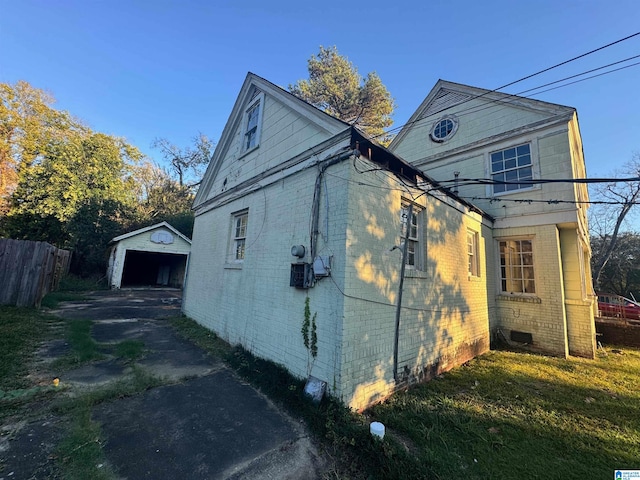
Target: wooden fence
{"points": [[29, 270]]}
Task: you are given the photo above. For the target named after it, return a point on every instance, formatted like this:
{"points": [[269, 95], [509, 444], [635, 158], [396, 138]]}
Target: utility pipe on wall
{"points": [[400, 286]]}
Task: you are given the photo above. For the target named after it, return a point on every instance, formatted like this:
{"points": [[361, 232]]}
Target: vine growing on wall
{"points": [[309, 335]]}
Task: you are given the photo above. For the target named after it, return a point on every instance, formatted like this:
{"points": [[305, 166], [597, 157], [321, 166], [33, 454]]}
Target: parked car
{"points": [[612, 305]]}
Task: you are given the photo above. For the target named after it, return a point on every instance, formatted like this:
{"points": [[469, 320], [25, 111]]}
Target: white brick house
{"points": [[540, 228], [286, 175]]}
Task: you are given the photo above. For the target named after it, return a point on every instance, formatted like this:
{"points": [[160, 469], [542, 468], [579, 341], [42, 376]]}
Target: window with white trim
{"points": [[444, 128], [511, 165], [414, 257], [516, 266], [472, 253], [239, 235], [252, 121]]}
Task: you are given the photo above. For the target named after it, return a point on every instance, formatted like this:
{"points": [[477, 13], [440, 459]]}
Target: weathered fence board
{"points": [[29, 270]]}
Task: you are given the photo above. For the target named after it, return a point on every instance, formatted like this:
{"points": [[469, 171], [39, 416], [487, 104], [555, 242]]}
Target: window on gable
{"points": [[413, 223], [239, 235], [516, 266], [511, 165], [251, 124], [472, 253], [444, 128]]}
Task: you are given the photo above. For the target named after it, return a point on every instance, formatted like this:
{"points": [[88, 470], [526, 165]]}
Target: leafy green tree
{"points": [[73, 172], [77, 194], [28, 124], [335, 86], [95, 222]]}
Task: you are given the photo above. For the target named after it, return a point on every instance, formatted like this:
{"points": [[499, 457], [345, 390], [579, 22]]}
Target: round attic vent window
{"points": [[444, 129]]}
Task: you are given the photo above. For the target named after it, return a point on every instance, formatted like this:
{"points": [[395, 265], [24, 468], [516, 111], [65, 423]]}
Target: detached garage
{"points": [[152, 256]]}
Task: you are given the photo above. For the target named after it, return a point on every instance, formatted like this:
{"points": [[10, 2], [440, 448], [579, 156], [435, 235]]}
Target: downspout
{"points": [[400, 286]]}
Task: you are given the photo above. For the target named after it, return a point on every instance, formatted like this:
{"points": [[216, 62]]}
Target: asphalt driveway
{"points": [[202, 423]]}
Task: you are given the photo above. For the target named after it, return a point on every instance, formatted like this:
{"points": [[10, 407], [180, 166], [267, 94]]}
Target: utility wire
{"points": [[515, 81], [488, 181], [551, 201], [579, 75], [509, 99], [492, 199], [568, 61], [587, 78]]}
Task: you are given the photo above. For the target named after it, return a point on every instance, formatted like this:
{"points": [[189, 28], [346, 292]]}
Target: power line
{"points": [[488, 181], [568, 61], [579, 75], [550, 201], [513, 97], [474, 97], [587, 78]]}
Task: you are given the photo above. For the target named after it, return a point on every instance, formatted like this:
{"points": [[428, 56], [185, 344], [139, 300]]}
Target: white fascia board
{"points": [[537, 219], [147, 229]]}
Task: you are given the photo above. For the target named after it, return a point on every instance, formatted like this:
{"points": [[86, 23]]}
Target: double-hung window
{"points": [[472, 253], [239, 233], [511, 165], [411, 224], [516, 266], [251, 124]]}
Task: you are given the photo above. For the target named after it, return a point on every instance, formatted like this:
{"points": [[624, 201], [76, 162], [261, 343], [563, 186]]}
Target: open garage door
{"points": [[143, 269]]}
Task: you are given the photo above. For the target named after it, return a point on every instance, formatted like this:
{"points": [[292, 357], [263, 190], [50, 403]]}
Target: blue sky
{"points": [[146, 69]]}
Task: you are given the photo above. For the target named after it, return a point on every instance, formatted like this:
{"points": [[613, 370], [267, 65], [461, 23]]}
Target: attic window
{"points": [[444, 129], [252, 121]]}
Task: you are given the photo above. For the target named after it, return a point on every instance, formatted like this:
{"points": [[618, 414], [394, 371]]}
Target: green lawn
{"points": [[513, 416]]}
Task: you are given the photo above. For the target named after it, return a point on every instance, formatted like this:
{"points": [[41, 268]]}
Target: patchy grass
{"points": [[73, 283], [80, 455], [514, 415], [83, 347], [21, 330], [53, 299], [72, 289], [201, 336], [129, 350]]}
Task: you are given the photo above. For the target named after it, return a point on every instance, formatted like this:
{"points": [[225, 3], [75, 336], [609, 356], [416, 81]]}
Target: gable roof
{"points": [[445, 95], [253, 83], [148, 229]]}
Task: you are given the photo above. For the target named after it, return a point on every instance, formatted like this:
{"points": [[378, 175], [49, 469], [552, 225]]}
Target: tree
{"points": [[162, 198], [186, 163], [73, 172], [621, 274], [77, 194], [336, 87], [607, 221], [28, 124]]}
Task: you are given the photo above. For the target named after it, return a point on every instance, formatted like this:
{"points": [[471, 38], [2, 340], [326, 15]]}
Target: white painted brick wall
{"points": [[446, 309], [255, 306]]}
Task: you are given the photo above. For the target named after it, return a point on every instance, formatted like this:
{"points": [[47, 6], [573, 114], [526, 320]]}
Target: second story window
{"points": [[511, 165], [252, 124]]}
